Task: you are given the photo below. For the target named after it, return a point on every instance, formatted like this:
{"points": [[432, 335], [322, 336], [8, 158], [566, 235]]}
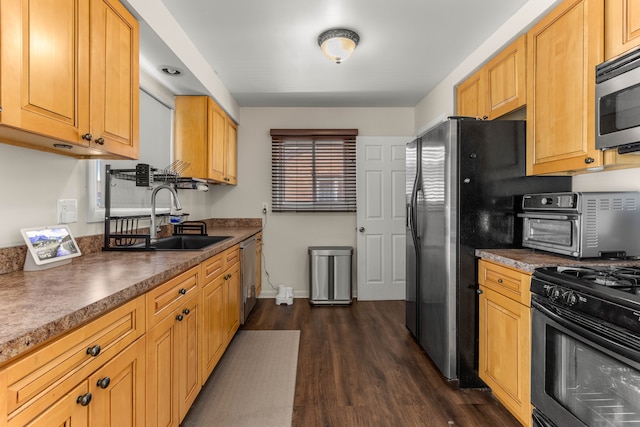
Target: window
{"points": [[313, 170]]}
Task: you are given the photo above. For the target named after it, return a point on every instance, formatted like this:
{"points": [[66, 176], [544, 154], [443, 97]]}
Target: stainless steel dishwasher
{"points": [[247, 276]]}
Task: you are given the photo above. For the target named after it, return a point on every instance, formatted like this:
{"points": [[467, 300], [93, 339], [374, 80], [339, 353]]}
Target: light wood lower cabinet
{"points": [[221, 306], [505, 336], [141, 364], [58, 381], [258, 264], [173, 380]]}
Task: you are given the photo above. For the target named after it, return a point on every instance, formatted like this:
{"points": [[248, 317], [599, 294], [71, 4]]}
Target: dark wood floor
{"points": [[359, 366]]}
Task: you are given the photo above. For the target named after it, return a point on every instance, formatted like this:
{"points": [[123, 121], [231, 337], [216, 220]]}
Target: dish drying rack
{"points": [[123, 233]]}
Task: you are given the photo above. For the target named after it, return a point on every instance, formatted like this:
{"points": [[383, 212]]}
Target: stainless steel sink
{"points": [[186, 242]]}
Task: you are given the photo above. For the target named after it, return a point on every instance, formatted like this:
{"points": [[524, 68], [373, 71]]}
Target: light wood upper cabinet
{"points": [[622, 27], [472, 97], [499, 87], [206, 138], [69, 77], [114, 81], [563, 50], [504, 356], [506, 79]]}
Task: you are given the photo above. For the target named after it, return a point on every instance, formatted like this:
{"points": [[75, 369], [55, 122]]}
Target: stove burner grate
{"points": [[623, 278]]}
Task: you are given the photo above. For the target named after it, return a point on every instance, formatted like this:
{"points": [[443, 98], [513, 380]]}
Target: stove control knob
{"points": [[570, 298], [556, 294], [547, 290], [546, 201]]}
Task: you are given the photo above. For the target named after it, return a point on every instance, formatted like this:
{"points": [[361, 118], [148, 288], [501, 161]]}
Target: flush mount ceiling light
{"points": [[172, 71], [338, 44]]}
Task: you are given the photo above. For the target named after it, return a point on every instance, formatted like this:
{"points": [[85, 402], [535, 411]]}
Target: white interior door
{"points": [[381, 217]]}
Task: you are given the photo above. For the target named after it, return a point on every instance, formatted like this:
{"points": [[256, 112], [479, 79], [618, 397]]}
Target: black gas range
{"points": [[606, 293], [585, 360]]}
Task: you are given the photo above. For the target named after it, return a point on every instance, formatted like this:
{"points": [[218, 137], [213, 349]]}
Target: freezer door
{"points": [[436, 222], [411, 297]]}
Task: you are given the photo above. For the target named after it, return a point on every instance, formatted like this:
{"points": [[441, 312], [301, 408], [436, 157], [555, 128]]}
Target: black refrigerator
{"points": [[465, 182]]}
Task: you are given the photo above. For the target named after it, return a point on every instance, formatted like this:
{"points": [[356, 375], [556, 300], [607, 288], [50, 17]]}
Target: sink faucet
{"points": [[176, 203]]}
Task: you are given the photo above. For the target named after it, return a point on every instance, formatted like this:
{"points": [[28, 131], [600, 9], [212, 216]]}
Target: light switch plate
{"points": [[67, 211]]}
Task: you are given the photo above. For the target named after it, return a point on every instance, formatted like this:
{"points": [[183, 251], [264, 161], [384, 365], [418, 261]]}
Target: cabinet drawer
{"points": [[164, 299], [48, 373], [231, 256], [507, 281], [212, 268]]}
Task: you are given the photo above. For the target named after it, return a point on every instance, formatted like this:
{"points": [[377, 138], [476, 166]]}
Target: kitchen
{"points": [[246, 201]]}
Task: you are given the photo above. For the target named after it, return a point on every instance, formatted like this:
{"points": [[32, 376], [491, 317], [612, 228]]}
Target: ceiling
{"points": [[266, 55]]}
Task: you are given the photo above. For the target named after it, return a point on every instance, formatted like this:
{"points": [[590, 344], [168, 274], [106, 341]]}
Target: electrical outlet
{"points": [[67, 211], [265, 207]]}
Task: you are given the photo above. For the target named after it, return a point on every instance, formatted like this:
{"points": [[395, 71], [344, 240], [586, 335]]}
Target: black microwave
{"points": [[618, 103]]}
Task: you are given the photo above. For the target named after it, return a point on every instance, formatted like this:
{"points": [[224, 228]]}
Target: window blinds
{"points": [[313, 170]]}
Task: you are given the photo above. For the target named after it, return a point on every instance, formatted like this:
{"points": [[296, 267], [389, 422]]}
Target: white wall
{"points": [[287, 236]]}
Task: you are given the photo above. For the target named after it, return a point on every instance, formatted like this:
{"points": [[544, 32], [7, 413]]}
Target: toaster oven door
{"points": [[551, 232]]}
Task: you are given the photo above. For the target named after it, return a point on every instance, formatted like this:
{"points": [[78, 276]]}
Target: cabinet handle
{"points": [[499, 280], [186, 311], [94, 351], [87, 137], [84, 400], [479, 291], [100, 141], [104, 382], [589, 160], [182, 291], [179, 317]]}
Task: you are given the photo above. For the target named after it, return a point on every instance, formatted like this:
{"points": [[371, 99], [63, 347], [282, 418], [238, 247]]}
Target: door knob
{"points": [[361, 229]]}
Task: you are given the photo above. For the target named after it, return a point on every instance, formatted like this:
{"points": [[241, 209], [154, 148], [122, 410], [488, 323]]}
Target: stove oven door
{"points": [[578, 377]]}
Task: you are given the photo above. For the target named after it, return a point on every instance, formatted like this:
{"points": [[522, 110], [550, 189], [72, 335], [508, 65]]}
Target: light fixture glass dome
{"points": [[338, 44]]}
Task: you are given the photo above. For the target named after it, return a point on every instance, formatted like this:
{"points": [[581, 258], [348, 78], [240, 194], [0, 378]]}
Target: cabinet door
{"points": [[231, 153], [622, 27], [118, 389], [191, 133], [562, 52], [114, 79], [233, 300], [504, 353], [472, 96], [214, 325], [45, 67], [162, 374], [188, 357], [217, 142], [506, 79]]}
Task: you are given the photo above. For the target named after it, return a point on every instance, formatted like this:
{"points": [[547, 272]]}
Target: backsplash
{"points": [[12, 259]]}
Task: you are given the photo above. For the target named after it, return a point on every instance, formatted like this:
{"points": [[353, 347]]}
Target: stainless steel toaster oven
{"points": [[583, 224]]}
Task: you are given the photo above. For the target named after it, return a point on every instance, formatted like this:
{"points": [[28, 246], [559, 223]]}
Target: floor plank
{"points": [[359, 366]]}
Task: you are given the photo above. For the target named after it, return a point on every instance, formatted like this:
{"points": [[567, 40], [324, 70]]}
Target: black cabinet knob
{"points": [[182, 291], [179, 317], [100, 141], [186, 311], [589, 160], [94, 351], [87, 137], [104, 382], [84, 400]]}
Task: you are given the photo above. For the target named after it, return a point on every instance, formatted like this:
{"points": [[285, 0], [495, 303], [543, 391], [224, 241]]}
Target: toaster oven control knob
{"points": [[556, 294], [546, 201], [569, 298]]}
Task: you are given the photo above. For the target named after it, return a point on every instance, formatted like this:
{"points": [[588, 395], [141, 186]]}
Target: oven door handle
{"points": [[612, 346], [547, 216]]}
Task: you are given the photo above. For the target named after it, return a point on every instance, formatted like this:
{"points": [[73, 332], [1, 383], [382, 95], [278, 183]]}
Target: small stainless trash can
{"points": [[330, 275]]}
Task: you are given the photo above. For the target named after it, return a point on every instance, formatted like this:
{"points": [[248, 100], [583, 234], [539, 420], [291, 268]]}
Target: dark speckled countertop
{"points": [[528, 259], [39, 305]]}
